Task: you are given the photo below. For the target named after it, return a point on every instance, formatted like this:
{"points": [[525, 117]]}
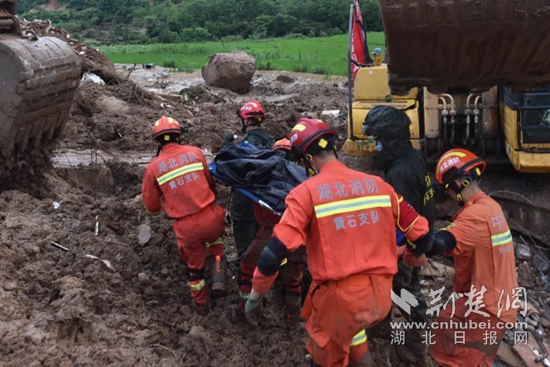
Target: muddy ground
{"points": [[64, 308]]}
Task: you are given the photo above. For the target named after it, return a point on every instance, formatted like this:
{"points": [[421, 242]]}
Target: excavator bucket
{"points": [[38, 80], [464, 43]]}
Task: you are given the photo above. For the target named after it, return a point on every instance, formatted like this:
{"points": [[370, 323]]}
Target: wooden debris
{"points": [[59, 246]]}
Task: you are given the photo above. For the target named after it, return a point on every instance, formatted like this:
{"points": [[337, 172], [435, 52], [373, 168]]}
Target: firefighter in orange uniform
{"points": [[485, 278], [347, 221], [180, 176], [292, 268]]}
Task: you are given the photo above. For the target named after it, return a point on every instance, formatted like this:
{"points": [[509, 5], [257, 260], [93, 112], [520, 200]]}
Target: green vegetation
{"points": [[326, 55], [176, 21]]}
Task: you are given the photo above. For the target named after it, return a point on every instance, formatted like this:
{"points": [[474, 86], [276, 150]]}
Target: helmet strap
{"points": [[308, 164], [458, 188], [159, 147]]}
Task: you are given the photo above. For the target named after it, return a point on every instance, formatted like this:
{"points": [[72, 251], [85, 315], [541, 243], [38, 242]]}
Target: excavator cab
{"points": [[526, 128], [38, 80], [468, 74]]}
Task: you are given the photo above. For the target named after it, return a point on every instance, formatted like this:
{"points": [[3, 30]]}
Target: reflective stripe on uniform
{"points": [[152, 213], [501, 239], [180, 172], [351, 205], [219, 241], [197, 285], [359, 338], [283, 262]]}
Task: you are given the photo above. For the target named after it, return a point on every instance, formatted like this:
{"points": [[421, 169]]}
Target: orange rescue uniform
{"points": [[180, 176], [347, 221], [485, 276], [292, 270]]}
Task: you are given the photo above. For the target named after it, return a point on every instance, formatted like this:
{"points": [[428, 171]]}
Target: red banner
{"points": [[358, 40]]}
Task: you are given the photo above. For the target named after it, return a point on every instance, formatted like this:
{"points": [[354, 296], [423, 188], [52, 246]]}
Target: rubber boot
{"points": [[366, 361], [218, 277], [293, 303], [414, 339], [242, 300], [202, 310]]}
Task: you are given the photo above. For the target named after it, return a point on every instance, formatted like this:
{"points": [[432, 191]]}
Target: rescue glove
{"points": [[409, 260], [413, 261], [253, 301]]}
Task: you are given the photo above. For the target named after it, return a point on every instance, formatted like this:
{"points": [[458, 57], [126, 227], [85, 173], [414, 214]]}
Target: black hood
{"points": [[391, 126]]}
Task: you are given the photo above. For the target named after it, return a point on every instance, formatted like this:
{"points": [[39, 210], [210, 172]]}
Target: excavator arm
{"points": [[38, 81], [462, 43]]}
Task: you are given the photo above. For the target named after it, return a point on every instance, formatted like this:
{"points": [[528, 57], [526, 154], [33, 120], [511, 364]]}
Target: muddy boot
{"points": [[366, 361], [414, 339], [382, 330], [202, 310], [242, 300], [218, 277], [293, 302], [280, 292], [253, 317]]}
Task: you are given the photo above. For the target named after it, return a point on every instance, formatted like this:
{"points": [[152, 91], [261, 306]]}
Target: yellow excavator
{"points": [[470, 74], [38, 80]]}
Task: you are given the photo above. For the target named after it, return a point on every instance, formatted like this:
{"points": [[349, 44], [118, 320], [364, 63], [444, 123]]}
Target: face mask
{"points": [[379, 145]]}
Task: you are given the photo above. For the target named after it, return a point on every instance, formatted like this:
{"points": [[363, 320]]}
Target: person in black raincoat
{"points": [[406, 169], [241, 209]]}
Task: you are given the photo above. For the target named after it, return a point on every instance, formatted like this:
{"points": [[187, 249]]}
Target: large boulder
{"points": [[232, 71]]}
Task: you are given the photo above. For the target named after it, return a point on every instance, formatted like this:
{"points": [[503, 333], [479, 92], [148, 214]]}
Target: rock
{"points": [[144, 234], [232, 71], [523, 252], [197, 331], [113, 105], [285, 79], [93, 78], [164, 271], [144, 279]]}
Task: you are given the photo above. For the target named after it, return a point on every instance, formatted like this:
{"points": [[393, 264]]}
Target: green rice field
{"points": [[326, 55]]}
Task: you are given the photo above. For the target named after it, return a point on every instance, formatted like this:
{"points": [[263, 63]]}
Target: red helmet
{"points": [[167, 125], [252, 110], [283, 144], [308, 131], [458, 162]]}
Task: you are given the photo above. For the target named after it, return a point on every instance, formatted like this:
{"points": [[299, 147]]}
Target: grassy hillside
{"points": [[326, 55]]}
